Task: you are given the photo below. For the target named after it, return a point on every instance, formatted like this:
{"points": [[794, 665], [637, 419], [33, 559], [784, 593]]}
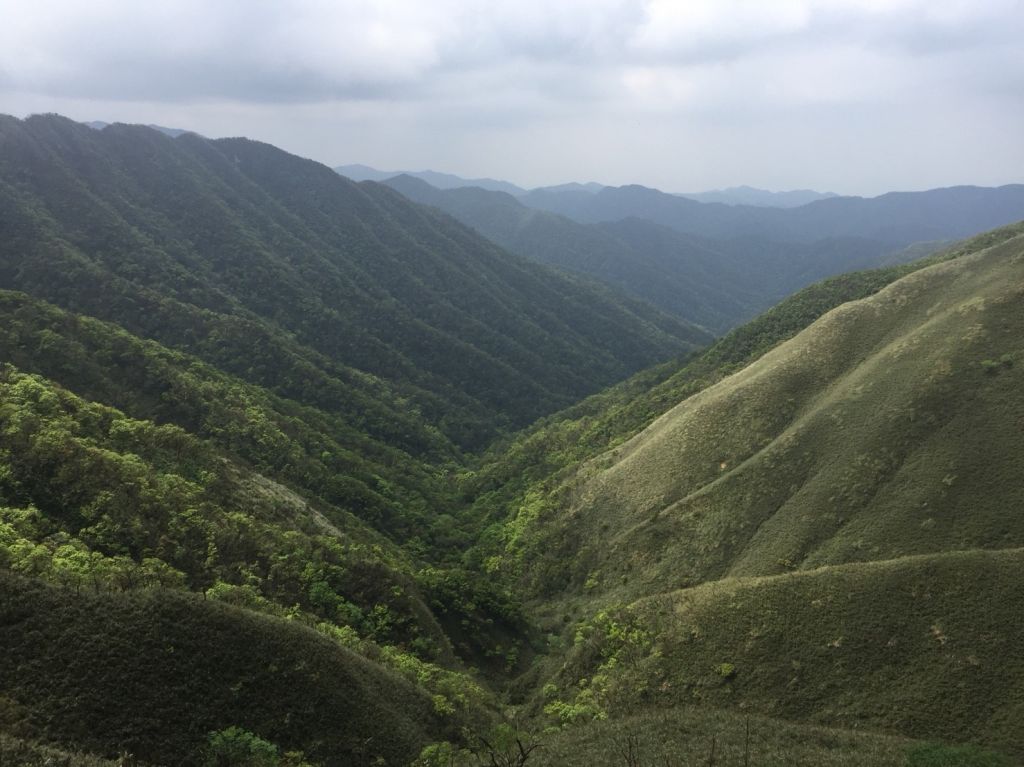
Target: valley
{"points": [[301, 471]]}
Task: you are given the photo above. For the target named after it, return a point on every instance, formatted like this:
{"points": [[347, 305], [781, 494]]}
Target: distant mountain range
{"points": [[713, 264], [737, 195], [296, 470], [748, 195], [434, 178], [172, 132], [897, 217]]}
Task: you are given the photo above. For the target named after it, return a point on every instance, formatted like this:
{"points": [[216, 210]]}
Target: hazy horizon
{"points": [[831, 95]]}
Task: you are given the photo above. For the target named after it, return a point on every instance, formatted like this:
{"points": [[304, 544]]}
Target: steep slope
{"points": [[218, 247], [828, 535], [889, 427], [152, 673], [924, 646], [715, 283], [686, 277], [896, 218], [524, 477]]}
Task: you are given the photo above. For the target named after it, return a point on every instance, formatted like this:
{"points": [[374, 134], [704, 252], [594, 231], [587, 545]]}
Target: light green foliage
{"points": [[452, 692], [612, 644], [236, 747], [443, 754], [726, 670]]}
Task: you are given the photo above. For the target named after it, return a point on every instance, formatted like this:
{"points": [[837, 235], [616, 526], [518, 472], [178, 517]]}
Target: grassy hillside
{"points": [[521, 479], [691, 736], [889, 427], [152, 673], [239, 399], [281, 272], [924, 646]]}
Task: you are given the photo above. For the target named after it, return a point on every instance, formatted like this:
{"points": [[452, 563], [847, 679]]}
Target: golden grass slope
{"points": [[892, 426]]}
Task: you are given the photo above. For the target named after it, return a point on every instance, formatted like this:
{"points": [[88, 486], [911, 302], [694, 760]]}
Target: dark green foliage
{"points": [[279, 271], [715, 283], [154, 672], [482, 618], [238, 523], [512, 476]]}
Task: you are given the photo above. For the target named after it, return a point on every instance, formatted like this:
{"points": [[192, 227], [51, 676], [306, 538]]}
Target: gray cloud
{"points": [[681, 95]]}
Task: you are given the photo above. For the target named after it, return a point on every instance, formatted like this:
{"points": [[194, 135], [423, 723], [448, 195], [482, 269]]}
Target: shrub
{"points": [[235, 747]]}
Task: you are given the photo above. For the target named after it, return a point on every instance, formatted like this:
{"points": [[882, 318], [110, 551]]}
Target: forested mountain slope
{"points": [[717, 283], [829, 534], [279, 270], [150, 673], [889, 427], [686, 277], [241, 400]]}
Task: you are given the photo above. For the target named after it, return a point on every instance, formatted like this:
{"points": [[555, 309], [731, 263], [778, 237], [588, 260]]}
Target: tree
{"points": [[236, 747]]}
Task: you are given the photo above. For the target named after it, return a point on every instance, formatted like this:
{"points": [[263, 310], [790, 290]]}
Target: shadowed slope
{"points": [[152, 673], [277, 269]]}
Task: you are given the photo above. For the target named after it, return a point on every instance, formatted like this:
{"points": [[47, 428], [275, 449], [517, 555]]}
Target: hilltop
{"points": [[205, 245]]}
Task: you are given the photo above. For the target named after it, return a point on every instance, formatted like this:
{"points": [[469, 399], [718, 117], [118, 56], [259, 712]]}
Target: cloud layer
{"points": [[852, 95]]}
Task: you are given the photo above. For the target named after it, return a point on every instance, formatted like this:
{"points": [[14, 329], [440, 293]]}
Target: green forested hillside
{"points": [[128, 663], [717, 283], [280, 271], [263, 501], [712, 557], [523, 476], [889, 427]]}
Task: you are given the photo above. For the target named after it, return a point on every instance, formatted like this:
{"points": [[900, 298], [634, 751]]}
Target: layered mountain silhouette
{"points": [[708, 263], [298, 471]]}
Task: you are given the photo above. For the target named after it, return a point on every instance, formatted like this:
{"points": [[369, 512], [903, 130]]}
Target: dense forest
{"points": [[295, 471]]}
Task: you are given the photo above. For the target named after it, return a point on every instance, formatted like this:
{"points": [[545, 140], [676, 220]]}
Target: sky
{"points": [[850, 96]]}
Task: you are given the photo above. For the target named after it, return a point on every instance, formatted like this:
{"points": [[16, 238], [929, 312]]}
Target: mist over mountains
{"points": [[739, 195]]}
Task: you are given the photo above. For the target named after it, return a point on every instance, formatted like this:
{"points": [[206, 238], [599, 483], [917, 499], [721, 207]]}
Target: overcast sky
{"points": [[852, 96]]}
